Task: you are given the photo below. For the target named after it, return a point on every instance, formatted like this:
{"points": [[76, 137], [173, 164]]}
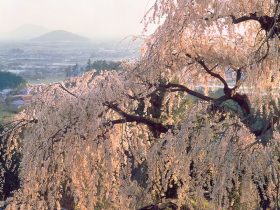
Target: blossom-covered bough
{"points": [[154, 135]]}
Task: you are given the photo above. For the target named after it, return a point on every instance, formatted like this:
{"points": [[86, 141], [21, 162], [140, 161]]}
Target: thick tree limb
{"points": [[172, 87], [138, 119], [209, 71], [267, 23], [243, 102], [230, 93], [187, 90], [238, 77], [252, 16], [238, 81]]}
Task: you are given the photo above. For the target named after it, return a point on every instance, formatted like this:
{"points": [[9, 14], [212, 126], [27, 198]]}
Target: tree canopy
{"points": [[152, 136]]}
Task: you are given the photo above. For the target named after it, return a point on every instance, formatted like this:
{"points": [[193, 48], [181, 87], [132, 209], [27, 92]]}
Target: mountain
{"points": [[25, 32], [60, 36]]}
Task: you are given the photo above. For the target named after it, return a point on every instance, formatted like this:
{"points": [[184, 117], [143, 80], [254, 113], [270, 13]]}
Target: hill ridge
{"points": [[60, 36]]}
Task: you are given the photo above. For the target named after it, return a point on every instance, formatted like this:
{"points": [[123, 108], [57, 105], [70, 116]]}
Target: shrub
{"points": [[10, 80]]}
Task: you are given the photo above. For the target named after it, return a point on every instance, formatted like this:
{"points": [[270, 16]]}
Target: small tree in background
{"points": [[100, 65], [10, 80], [88, 66]]}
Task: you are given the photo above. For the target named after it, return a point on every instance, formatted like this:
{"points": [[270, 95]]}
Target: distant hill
{"points": [[60, 36], [25, 32]]}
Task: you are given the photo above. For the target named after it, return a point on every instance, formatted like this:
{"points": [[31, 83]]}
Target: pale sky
{"points": [[91, 18]]}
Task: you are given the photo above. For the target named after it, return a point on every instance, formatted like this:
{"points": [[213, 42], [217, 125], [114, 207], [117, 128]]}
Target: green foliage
{"points": [[102, 65], [10, 80], [216, 93]]}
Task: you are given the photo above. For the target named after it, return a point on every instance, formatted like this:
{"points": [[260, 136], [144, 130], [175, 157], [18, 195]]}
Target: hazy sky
{"points": [[92, 18]]}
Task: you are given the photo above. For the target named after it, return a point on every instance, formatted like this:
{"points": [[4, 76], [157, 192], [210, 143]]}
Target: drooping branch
{"points": [[128, 117], [20, 124], [68, 91], [230, 93]]}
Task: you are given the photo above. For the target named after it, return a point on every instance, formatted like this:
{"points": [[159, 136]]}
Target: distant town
{"points": [[52, 56]]}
